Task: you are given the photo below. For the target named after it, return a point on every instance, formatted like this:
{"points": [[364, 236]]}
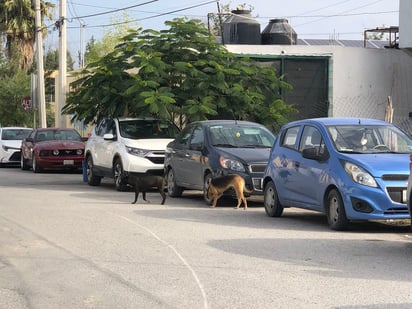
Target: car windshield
{"points": [[60, 135], [147, 128], [370, 139], [15, 134], [241, 136]]}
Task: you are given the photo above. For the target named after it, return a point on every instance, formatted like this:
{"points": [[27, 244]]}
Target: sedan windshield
{"points": [[241, 136], [370, 139]]}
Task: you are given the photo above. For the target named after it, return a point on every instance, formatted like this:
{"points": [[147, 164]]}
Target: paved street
{"points": [[64, 244]]}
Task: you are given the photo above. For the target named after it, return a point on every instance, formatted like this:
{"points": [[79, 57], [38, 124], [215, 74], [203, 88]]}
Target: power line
{"points": [[153, 16], [334, 15], [359, 7], [115, 10]]}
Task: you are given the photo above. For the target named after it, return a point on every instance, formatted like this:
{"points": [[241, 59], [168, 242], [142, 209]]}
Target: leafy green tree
{"points": [[14, 85], [51, 60], [17, 23], [180, 73]]}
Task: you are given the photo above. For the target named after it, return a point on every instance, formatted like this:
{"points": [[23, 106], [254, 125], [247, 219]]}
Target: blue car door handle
{"points": [[297, 164]]}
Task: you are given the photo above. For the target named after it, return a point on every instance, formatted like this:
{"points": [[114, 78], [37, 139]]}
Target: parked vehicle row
{"points": [[350, 169]]}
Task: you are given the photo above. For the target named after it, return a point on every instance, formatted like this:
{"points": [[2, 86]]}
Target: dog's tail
{"points": [[245, 189]]}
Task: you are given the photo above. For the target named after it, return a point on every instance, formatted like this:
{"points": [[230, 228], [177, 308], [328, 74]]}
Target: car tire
{"points": [[23, 163], [118, 176], [35, 167], [173, 190], [273, 208], [335, 211], [206, 184], [92, 178]]}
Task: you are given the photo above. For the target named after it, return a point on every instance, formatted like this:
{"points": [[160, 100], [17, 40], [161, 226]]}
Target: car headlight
{"points": [[359, 175], [231, 164], [137, 151], [56, 152], [79, 152]]}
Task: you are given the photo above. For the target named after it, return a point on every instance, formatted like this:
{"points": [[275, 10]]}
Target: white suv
{"points": [[118, 147]]}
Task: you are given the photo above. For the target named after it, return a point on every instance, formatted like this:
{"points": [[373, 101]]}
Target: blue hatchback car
{"points": [[347, 168]]}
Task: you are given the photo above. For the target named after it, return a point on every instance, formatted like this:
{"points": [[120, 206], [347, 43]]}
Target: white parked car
{"points": [[119, 147], [10, 144]]}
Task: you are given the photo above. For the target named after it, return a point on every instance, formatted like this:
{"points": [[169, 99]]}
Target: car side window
{"points": [[32, 134], [110, 127], [197, 137], [101, 128], [289, 137], [312, 138], [185, 135]]}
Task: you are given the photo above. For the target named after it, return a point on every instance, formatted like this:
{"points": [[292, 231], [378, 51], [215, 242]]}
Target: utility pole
{"points": [[40, 69], [61, 101], [81, 56]]}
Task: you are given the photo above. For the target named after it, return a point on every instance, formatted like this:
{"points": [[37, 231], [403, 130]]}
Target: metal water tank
{"points": [[241, 28], [278, 31]]}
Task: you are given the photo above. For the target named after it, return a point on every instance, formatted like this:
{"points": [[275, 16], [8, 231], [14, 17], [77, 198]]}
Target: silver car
{"points": [[10, 144]]}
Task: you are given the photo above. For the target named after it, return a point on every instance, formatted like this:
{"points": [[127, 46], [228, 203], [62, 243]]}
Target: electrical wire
{"points": [[116, 10], [153, 16]]}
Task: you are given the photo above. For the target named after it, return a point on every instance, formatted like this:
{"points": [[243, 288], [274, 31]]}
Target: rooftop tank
{"points": [[278, 31], [241, 28]]}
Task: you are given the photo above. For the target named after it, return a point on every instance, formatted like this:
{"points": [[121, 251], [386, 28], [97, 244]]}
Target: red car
{"points": [[52, 148]]}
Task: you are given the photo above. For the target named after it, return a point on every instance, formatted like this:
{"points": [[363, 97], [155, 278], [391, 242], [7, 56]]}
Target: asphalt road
{"points": [[64, 244]]}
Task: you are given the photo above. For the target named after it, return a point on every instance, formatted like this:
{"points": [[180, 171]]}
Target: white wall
{"points": [[405, 24], [360, 79]]}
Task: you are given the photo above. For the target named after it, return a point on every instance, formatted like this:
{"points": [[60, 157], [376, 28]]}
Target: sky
{"points": [[325, 19]]}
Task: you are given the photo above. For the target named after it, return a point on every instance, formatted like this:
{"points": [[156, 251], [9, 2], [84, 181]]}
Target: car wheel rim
{"points": [[270, 198], [208, 180], [117, 174], [334, 209], [170, 181], [89, 167]]}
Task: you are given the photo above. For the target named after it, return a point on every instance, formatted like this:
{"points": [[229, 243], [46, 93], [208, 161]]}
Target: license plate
{"points": [[68, 162]]}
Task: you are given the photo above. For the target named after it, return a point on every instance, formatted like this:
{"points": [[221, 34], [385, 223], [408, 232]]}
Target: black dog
{"points": [[144, 183]]}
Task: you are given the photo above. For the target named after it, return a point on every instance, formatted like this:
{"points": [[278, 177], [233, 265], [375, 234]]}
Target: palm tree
{"points": [[17, 23]]}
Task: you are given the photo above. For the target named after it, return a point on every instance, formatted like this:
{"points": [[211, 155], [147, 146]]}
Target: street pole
{"points": [[62, 65], [40, 68]]}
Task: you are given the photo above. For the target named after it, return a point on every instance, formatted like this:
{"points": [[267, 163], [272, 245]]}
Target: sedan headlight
{"points": [[137, 151], [231, 164], [359, 175]]}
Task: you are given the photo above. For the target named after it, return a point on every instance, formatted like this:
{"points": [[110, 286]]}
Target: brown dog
{"points": [[143, 183], [220, 184]]}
